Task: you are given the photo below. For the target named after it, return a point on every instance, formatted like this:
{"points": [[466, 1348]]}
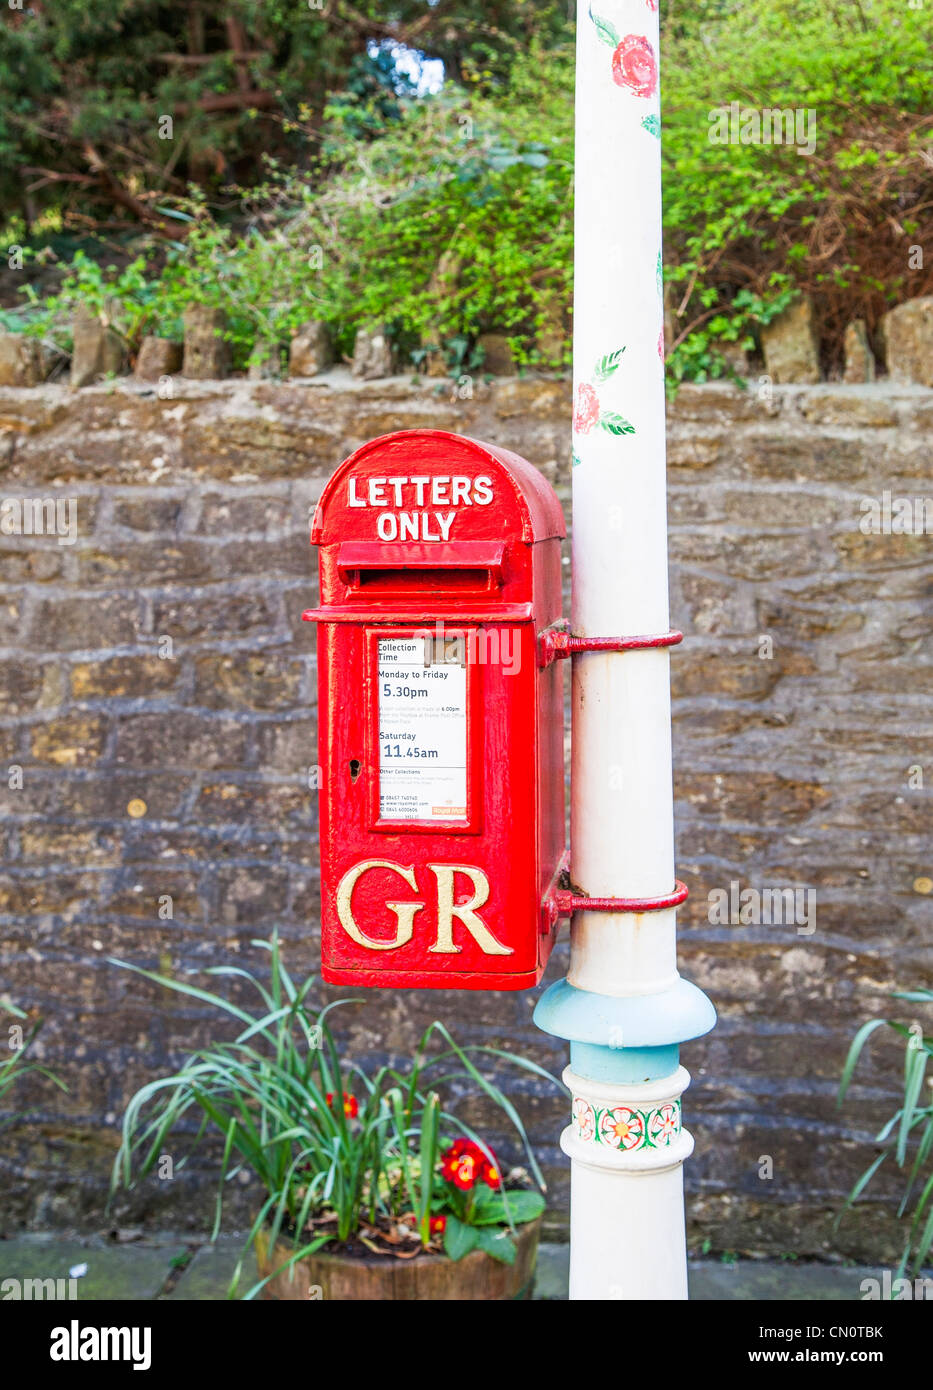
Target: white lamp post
{"points": [[623, 1005]]}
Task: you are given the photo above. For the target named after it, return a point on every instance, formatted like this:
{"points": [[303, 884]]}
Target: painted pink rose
{"points": [[585, 409], [635, 66], [661, 345], [652, 4]]}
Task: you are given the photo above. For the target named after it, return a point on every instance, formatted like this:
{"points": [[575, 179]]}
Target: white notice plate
{"points": [[422, 734]]}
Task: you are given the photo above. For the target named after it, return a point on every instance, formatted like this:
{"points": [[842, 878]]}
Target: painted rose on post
{"points": [[635, 66], [588, 412], [634, 63], [585, 409]]}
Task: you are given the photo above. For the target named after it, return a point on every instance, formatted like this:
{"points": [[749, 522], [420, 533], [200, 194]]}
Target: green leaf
{"points": [[428, 1155], [498, 1244], [496, 1209], [607, 365], [863, 1181], [615, 424], [915, 1060], [607, 33], [652, 124], [459, 1238], [855, 1049]]}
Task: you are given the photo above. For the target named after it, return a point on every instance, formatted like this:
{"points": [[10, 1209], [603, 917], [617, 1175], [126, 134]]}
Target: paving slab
{"points": [[208, 1276], [139, 1271], [728, 1281], [124, 1272], [786, 1280]]}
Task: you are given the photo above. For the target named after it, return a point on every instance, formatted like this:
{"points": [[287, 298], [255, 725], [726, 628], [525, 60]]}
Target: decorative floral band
{"points": [[623, 1127]]}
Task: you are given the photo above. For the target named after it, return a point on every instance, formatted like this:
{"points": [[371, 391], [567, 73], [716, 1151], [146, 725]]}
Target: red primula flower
{"points": [[585, 409], [461, 1169], [464, 1163], [351, 1106], [437, 1225], [635, 66]]}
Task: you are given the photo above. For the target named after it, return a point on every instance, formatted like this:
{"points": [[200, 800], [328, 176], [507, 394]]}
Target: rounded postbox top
{"points": [[440, 486]]}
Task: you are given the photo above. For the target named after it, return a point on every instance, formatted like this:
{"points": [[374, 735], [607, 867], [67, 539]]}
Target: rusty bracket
{"points": [[557, 642], [564, 902]]}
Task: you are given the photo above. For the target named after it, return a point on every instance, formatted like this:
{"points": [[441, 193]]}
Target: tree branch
{"points": [[227, 101], [115, 188]]}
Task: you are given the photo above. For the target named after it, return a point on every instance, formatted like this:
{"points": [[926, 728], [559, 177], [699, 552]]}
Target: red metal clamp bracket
{"points": [[557, 642], [564, 902]]}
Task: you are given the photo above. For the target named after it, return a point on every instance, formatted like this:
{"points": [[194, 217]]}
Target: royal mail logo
{"points": [[405, 912]]}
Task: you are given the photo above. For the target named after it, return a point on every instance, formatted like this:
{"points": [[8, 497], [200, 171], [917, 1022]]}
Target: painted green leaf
{"points": [[575, 459], [605, 30], [615, 424], [652, 124], [607, 365]]}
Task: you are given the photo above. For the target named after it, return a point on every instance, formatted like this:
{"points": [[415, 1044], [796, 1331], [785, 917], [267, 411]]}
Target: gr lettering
{"points": [[448, 910]]}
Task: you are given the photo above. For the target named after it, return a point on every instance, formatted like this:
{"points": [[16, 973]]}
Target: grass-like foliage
{"points": [[908, 1135], [343, 1154], [16, 1065]]}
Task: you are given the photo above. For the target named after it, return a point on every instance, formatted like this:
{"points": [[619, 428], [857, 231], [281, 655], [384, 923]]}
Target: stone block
{"points": [[158, 357], [21, 360], [124, 677], [265, 361], [207, 353], [75, 740], [179, 739], [908, 339], [98, 350], [372, 354], [497, 354], [260, 681], [790, 345], [859, 358], [311, 351]]}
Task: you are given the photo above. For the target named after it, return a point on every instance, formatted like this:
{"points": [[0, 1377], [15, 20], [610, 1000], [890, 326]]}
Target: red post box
{"points": [[441, 729]]}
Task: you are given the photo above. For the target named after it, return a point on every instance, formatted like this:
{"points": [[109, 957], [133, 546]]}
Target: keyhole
{"points": [[356, 768]]}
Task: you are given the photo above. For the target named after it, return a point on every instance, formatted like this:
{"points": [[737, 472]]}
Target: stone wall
{"points": [[802, 699]]}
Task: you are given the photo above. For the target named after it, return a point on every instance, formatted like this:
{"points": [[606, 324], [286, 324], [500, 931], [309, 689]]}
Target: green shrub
{"points": [[748, 226], [448, 215]]}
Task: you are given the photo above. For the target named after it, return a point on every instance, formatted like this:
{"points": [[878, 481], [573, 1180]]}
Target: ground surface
{"points": [[175, 1267]]}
